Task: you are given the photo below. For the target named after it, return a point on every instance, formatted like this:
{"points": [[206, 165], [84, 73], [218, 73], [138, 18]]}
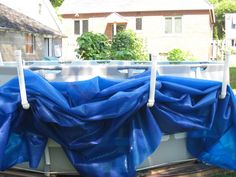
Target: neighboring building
{"points": [[230, 29], [163, 24], [18, 31], [39, 10]]}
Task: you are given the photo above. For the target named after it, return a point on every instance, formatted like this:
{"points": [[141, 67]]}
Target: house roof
{"points": [[109, 6], [13, 20], [115, 18], [40, 10]]}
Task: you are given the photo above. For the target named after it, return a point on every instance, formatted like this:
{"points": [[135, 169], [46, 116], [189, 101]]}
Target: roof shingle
{"points": [[13, 20]]}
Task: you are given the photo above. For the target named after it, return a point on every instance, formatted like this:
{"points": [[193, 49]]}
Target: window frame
{"points": [[81, 26], [75, 32], [141, 28], [173, 28], [233, 23], [30, 43], [233, 43]]}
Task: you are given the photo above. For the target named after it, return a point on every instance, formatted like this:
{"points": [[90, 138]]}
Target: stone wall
{"points": [[11, 41]]}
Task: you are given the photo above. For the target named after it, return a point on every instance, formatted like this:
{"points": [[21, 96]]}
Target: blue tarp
{"points": [[105, 127]]}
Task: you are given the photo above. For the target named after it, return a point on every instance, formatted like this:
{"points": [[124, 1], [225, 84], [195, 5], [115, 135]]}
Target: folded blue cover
{"points": [[105, 127]]}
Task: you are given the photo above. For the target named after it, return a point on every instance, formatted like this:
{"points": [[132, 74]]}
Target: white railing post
{"points": [[47, 161], [1, 60], [225, 76], [21, 79], [152, 89]]}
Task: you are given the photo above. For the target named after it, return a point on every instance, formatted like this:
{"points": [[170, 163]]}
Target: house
{"points": [[19, 31], [40, 10], [230, 29], [163, 24]]}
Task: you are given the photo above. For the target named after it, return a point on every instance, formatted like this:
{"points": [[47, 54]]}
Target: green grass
{"points": [[225, 175], [233, 78]]}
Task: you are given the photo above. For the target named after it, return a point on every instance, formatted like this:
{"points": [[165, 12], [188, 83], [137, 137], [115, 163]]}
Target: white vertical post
{"points": [[47, 161], [152, 89], [1, 60], [198, 72], [21, 78], [114, 28], [225, 76], [49, 47]]}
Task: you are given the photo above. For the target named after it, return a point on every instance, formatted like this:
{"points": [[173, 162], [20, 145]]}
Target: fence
{"points": [[217, 49]]}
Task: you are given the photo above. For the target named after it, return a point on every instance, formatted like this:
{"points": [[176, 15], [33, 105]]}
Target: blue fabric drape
{"points": [[105, 127]]}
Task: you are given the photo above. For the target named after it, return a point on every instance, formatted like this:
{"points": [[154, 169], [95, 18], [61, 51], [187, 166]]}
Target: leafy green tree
{"points": [[127, 46], [56, 3], [221, 7], [179, 55], [93, 46]]}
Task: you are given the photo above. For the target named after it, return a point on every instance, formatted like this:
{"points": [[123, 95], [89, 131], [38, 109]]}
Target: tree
{"points": [[221, 7], [56, 3], [127, 46], [93, 46], [179, 55]]}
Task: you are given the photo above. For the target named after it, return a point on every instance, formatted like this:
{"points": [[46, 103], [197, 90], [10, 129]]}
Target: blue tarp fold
{"points": [[105, 127]]}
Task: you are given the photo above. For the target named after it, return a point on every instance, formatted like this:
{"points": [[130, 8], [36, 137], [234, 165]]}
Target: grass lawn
{"points": [[225, 175], [233, 78]]}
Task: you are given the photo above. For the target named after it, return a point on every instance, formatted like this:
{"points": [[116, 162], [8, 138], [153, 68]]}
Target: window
{"points": [[233, 43], [178, 24], [168, 25], [30, 43], [173, 25], [233, 25], [48, 47], [77, 27], [138, 23], [40, 8], [85, 26], [80, 26]]}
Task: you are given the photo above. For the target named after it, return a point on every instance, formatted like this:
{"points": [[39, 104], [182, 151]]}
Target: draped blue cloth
{"points": [[105, 127]]}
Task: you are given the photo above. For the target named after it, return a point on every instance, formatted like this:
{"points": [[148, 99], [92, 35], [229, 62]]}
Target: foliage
{"points": [[93, 46], [233, 78], [179, 55], [56, 3], [124, 46], [127, 46], [221, 7], [225, 174]]}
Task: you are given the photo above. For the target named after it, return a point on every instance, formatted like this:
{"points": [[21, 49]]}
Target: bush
{"points": [[127, 46], [93, 46], [179, 55]]}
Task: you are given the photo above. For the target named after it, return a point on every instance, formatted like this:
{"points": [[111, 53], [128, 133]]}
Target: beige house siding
{"points": [[195, 37], [196, 33], [69, 43]]}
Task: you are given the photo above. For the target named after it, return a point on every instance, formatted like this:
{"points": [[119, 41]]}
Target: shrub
{"points": [[179, 55], [93, 46], [127, 46]]}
